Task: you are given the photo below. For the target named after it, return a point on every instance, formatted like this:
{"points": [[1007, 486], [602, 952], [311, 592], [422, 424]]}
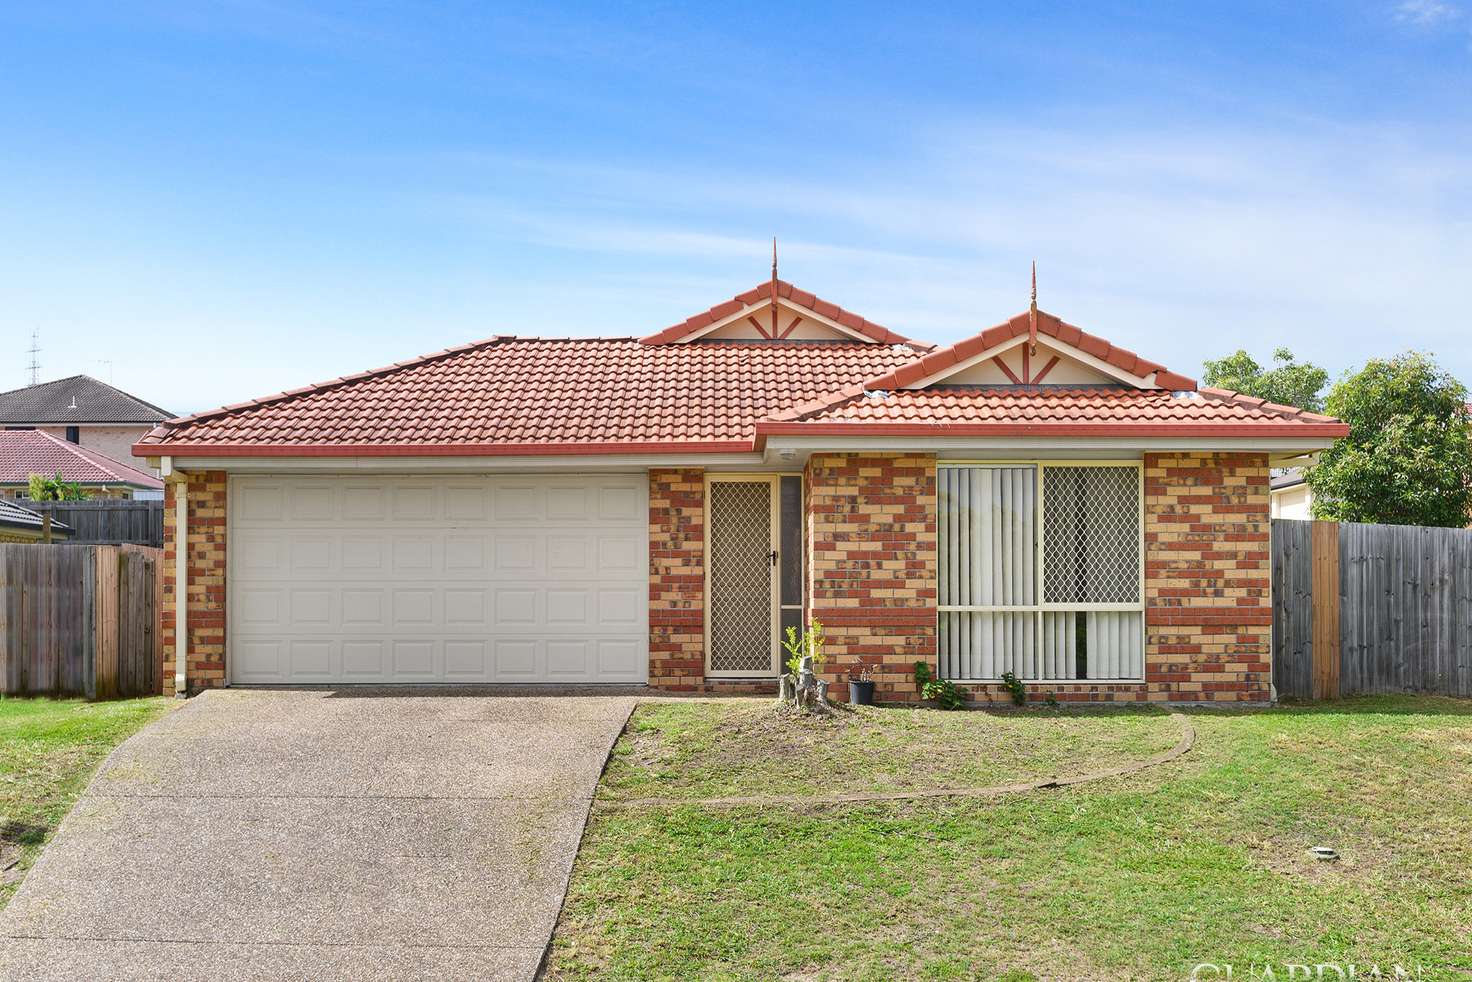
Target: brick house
{"points": [[1031, 500], [83, 411]]}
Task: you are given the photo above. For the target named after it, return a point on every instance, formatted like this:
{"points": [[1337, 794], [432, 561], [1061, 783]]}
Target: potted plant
{"points": [[861, 687]]}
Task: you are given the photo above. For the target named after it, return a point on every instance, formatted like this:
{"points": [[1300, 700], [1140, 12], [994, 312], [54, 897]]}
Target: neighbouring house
{"points": [[1032, 500], [81, 410], [19, 524], [27, 452], [1291, 497]]}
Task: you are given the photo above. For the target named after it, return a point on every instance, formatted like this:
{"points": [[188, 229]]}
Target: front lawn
{"points": [[1203, 859], [48, 751]]}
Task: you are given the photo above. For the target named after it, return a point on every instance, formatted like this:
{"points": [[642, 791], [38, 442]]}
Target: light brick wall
{"points": [[205, 582], [1208, 581], [871, 553], [112, 441], [677, 579]]}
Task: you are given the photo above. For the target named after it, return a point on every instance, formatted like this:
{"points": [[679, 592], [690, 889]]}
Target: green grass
{"points": [[48, 751], [1202, 859]]}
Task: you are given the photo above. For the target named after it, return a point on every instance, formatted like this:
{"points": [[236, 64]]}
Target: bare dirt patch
{"points": [[714, 749]]}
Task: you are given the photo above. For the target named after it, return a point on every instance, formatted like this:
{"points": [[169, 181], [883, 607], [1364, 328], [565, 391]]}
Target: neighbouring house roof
{"points": [[14, 516], [1285, 479], [27, 452], [716, 383], [76, 400]]}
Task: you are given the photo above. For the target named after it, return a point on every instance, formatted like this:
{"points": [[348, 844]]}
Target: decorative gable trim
{"points": [[1035, 369], [1090, 350], [789, 297]]}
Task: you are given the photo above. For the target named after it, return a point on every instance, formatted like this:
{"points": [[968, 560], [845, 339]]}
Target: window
{"points": [[1040, 572], [73, 434]]}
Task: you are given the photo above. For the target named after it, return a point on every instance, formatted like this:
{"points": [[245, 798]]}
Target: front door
{"points": [[742, 561]]}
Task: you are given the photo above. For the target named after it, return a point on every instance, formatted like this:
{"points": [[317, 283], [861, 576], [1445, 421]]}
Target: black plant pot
{"points": [[860, 693]]}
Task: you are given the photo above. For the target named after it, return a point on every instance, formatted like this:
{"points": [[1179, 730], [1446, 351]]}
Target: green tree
{"points": [[1408, 457], [54, 489], [1288, 382]]}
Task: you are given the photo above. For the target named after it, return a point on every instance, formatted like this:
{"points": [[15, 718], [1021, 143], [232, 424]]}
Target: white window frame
{"points": [[1040, 534]]}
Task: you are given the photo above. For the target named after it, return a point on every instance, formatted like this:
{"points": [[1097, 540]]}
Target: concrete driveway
{"points": [[348, 833]]}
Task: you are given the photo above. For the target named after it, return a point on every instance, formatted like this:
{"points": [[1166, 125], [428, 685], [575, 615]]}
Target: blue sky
{"points": [[216, 201]]}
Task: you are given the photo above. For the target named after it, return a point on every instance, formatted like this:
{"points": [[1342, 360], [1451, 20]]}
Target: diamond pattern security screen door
{"points": [[741, 606]]}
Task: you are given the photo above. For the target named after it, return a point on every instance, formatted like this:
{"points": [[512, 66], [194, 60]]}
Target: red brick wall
{"points": [[677, 579], [871, 553], [1208, 613], [1208, 608], [205, 582]]}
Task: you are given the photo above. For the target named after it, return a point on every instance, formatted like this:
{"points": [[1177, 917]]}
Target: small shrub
{"points": [[1011, 683], [923, 673], [942, 692], [54, 488], [810, 642]]}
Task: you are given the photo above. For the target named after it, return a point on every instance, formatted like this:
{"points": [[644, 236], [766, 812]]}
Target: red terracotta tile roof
{"points": [[794, 296], [1058, 410], [27, 452], [509, 395], [1049, 325]]}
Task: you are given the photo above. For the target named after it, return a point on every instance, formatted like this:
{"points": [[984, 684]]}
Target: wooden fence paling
{"points": [[1324, 558], [79, 620], [108, 521], [1403, 621], [1292, 609]]}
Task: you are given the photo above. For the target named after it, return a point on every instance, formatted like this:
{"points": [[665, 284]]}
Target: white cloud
{"points": [[1341, 243], [1426, 13]]}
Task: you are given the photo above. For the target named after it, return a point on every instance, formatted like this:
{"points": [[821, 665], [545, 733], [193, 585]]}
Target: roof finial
{"points": [[774, 286], [1032, 313]]}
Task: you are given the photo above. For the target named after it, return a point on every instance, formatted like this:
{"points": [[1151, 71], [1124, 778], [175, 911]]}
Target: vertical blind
{"points": [[993, 527], [988, 559]]}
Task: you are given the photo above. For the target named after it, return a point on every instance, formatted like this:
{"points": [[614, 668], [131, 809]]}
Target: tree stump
{"points": [[804, 691]]}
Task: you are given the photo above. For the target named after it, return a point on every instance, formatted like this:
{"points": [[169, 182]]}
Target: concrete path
{"points": [[321, 834]]}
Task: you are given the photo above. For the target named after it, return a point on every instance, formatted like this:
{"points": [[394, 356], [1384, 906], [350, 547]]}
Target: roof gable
{"points": [[1085, 358], [801, 316], [75, 400]]}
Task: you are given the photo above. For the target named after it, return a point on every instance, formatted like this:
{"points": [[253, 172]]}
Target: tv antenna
{"points": [[35, 353]]}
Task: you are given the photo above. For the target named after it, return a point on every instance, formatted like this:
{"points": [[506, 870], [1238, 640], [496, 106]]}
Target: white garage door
{"points": [[438, 579]]}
